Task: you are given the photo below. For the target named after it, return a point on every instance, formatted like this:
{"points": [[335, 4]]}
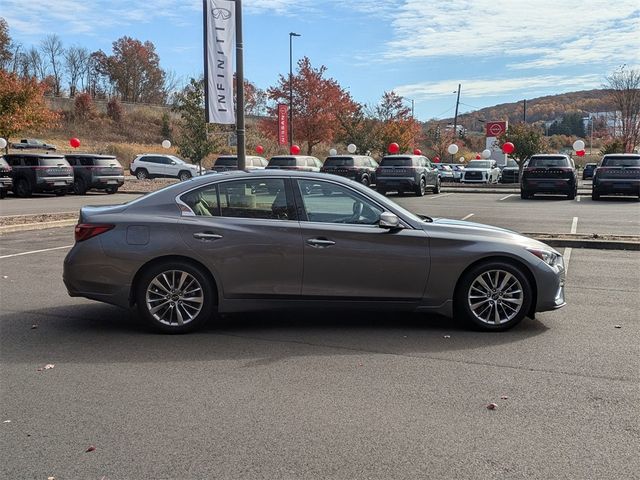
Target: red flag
{"points": [[283, 131]]}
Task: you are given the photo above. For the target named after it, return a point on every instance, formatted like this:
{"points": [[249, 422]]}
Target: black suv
{"points": [[34, 173], [102, 172], [360, 168], [5, 177], [617, 174], [549, 174], [510, 172], [402, 173]]}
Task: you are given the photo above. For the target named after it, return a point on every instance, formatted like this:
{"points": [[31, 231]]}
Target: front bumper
{"points": [[550, 282], [5, 182]]}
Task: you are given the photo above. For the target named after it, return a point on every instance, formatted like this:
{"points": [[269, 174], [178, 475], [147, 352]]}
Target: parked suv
{"points": [[5, 177], [152, 165], [510, 172], [34, 173], [295, 162], [617, 174], [403, 173], [481, 171], [588, 170], [33, 143], [102, 172], [360, 168], [549, 174], [226, 163]]}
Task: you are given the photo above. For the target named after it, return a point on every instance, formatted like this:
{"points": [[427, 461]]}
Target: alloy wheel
{"points": [[174, 298], [495, 297]]}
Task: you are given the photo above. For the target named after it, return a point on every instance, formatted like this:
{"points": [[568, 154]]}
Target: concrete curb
{"points": [[38, 226], [568, 240]]}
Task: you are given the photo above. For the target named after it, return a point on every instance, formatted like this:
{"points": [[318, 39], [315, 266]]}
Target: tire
{"points": [[493, 309], [182, 176], [381, 191], [595, 195], [142, 174], [22, 188], [60, 193], [571, 195], [438, 186], [154, 290], [112, 190], [3, 193], [79, 186], [364, 180], [421, 188], [524, 195]]}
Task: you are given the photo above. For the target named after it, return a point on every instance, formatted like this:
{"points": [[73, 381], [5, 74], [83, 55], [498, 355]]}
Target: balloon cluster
{"points": [[578, 146]]}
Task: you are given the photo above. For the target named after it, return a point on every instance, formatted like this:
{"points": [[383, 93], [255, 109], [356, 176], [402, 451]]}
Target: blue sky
{"points": [[499, 50]]}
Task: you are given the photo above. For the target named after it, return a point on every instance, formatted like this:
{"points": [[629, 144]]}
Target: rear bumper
{"points": [[5, 182], [393, 183], [107, 181], [545, 185], [621, 186], [50, 184]]}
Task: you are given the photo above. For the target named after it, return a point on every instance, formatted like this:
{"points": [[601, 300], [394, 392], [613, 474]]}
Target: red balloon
{"points": [[508, 148], [295, 149], [478, 156], [393, 148], [259, 149], [417, 151], [580, 153], [436, 159], [74, 142]]}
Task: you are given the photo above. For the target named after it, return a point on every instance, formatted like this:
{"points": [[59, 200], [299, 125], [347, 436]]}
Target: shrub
{"points": [[83, 106], [115, 110], [612, 146]]}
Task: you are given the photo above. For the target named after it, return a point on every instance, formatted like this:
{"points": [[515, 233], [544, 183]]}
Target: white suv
{"points": [[151, 165]]}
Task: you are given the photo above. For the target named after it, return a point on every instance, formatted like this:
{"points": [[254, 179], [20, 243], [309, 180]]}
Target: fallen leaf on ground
{"points": [[51, 478], [49, 366], [34, 326], [492, 406], [7, 421], [503, 397], [618, 326], [90, 449], [446, 336]]}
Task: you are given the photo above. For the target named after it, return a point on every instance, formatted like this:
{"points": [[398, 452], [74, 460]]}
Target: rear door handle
{"points": [[320, 242], [206, 236]]}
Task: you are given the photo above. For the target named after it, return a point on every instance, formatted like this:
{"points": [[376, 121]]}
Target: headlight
{"points": [[553, 259]]}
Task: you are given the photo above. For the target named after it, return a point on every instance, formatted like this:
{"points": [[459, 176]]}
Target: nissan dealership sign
{"points": [[493, 131]]}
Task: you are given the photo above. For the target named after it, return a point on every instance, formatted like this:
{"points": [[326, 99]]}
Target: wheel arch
{"points": [[172, 258], [513, 262]]}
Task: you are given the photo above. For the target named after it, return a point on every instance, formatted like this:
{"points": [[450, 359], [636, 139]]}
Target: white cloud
{"points": [[566, 32], [482, 88]]}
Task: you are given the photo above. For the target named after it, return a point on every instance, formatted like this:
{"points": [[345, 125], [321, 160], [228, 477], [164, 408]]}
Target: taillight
{"points": [[84, 231]]}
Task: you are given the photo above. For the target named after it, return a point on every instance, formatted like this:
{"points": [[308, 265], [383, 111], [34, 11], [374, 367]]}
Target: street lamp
{"points": [[291, 35]]}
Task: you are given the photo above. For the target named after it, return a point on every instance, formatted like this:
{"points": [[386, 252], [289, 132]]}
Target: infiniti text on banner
{"points": [[219, 23]]}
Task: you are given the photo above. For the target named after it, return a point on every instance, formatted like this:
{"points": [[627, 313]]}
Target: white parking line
{"points": [[567, 257], [504, 198], [441, 195], [574, 225], [468, 216], [35, 251], [578, 198]]}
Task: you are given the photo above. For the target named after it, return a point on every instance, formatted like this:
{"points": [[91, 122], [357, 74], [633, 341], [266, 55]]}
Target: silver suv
{"points": [[151, 165]]}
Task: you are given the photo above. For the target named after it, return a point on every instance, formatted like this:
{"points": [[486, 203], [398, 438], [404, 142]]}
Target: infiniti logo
{"points": [[221, 13]]}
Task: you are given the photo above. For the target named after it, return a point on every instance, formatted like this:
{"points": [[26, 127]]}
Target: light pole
{"points": [[291, 35]]}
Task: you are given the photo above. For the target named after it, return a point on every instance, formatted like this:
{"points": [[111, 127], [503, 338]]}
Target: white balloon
{"points": [[351, 148], [333, 152], [486, 153], [578, 145], [453, 149], [3, 143], [166, 144], [461, 159]]}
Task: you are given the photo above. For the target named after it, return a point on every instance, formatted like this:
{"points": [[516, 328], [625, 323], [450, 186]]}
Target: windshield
{"points": [[512, 163], [621, 162], [396, 162], [53, 162], [3, 162], [282, 162], [549, 162], [226, 162], [338, 162], [479, 164], [106, 162], [177, 160]]}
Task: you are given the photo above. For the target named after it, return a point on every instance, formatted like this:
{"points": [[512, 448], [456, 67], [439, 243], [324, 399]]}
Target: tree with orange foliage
{"points": [[395, 124], [318, 102], [22, 105]]}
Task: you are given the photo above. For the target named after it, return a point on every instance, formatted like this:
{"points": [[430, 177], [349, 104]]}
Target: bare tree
{"points": [[75, 60], [6, 45], [624, 85], [53, 51], [37, 68]]}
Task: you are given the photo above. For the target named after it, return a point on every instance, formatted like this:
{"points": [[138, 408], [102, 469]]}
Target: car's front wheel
{"points": [[175, 297], [79, 186], [421, 188], [22, 188], [494, 296], [184, 176], [438, 186], [365, 181], [142, 174]]}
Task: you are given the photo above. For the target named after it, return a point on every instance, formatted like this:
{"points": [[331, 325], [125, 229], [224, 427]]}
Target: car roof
{"points": [[89, 155], [35, 155], [538, 155], [294, 156], [236, 156], [630, 155], [348, 155]]}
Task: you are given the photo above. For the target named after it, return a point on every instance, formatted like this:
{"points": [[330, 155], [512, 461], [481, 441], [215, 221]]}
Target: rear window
{"points": [[397, 162], [282, 162], [106, 162], [226, 162], [511, 163], [53, 162], [549, 162], [479, 164], [3, 162], [621, 162], [338, 162]]}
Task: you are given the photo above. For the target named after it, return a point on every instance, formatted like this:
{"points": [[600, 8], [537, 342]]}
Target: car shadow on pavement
{"points": [[95, 333]]}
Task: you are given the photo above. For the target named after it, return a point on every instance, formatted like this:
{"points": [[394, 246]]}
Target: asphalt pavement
{"points": [[309, 395]]}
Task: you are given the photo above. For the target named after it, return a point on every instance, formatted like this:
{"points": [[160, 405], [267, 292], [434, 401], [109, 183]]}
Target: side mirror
{"points": [[173, 162], [389, 221]]}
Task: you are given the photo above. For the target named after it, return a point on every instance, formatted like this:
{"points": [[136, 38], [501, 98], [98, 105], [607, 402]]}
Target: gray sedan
{"points": [[242, 241]]}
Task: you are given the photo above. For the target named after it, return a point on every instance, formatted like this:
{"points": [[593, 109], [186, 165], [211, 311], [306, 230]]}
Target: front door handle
{"points": [[320, 242], [206, 236]]}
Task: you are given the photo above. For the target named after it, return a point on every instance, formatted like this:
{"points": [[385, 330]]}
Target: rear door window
{"points": [[282, 162], [547, 162], [260, 198]]}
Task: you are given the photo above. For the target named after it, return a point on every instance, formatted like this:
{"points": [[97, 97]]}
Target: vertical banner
{"points": [[219, 34], [283, 133]]}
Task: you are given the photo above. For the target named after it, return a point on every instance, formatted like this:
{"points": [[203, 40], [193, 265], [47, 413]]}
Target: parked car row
{"points": [[29, 173]]}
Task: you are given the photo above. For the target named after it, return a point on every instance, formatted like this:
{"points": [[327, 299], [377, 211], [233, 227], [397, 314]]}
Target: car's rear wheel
{"points": [[175, 297], [60, 193], [142, 174], [79, 186], [572, 195], [365, 181], [595, 195], [494, 296], [438, 186], [23, 188], [421, 188], [3, 193], [112, 190], [524, 195], [184, 176], [381, 191]]}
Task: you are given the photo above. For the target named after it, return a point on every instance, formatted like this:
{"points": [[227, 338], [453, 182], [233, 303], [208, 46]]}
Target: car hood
{"points": [[510, 169], [469, 229]]}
